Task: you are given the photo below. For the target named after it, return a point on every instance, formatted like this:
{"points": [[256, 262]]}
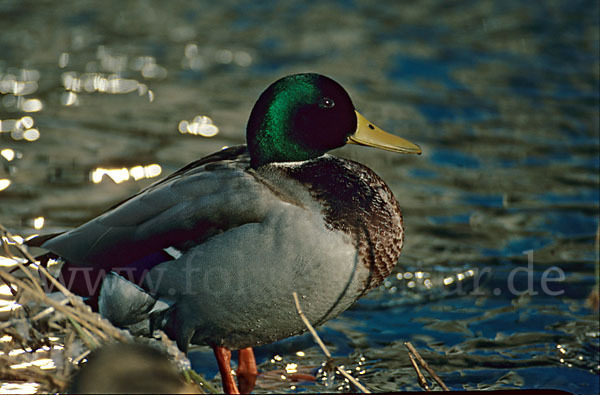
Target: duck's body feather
{"points": [[227, 245]]}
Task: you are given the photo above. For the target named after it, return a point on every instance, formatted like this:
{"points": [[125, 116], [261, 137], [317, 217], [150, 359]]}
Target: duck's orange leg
{"points": [[223, 357], [246, 371]]}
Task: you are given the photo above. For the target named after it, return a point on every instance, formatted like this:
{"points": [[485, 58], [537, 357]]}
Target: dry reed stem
{"points": [[31, 374], [8, 236], [80, 310], [86, 319], [412, 350], [420, 377], [79, 322], [194, 378], [324, 348]]}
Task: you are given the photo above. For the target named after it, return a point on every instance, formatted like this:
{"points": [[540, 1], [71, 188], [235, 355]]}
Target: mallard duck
{"points": [[212, 253]]}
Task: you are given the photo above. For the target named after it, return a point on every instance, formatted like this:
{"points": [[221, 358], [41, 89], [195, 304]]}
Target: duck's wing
{"points": [[204, 198], [237, 152]]}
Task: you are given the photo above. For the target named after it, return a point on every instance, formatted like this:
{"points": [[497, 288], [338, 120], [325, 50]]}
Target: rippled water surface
{"points": [[98, 99]]}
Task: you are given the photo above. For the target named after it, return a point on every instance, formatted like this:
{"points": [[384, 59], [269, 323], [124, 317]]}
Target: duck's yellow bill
{"points": [[371, 136]]}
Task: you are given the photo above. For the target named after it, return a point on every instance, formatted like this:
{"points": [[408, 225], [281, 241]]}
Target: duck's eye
{"points": [[326, 102]]}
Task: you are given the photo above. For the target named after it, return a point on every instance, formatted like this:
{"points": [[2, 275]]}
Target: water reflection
{"points": [[32, 105], [20, 129], [6, 303], [99, 82], [123, 174], [8, 154], [200, 58], [19, 388], [4, 183], [70, 99], [25, 83], [200, 125], [38, 223], [105, 75]]}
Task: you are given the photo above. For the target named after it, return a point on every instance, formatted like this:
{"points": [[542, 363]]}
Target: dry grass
{"points": [[45, 337]]}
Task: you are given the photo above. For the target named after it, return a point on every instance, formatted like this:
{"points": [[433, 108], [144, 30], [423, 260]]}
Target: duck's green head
{"points": [[302, 116]]}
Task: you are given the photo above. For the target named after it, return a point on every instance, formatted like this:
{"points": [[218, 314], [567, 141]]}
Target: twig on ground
{"points": [[412, 350], [195, 378], [81, 357], [48, 311], [324, 348], [420, 377], [84, 335]]}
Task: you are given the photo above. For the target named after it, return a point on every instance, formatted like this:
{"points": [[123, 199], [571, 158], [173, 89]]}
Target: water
{"points": [[502, 96]]}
